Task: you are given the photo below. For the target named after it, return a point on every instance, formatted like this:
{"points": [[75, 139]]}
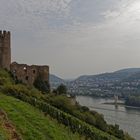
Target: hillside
{"points": [[114, 76], [49, 116], [30, 123], [133, 77], [105, 84], [129, 70]]}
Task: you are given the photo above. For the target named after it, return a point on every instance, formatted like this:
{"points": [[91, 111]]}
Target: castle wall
{"points": [[28, 74], [5, 50]]}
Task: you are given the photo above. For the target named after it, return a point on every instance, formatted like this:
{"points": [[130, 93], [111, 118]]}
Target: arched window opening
{"points": [[26, 78], [33, 71]]}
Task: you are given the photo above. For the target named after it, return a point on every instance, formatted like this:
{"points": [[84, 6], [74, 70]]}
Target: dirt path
{"points": [[7, 125]]}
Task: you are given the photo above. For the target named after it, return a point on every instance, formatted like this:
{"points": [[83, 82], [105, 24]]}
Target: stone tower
{"points": [[5, 50]]}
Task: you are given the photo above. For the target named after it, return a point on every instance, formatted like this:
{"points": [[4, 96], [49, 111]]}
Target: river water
{"points": [[127, 118]]}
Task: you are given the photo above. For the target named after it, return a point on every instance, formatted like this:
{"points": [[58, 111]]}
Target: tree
{"points": [[62, 89], [41, 85]]}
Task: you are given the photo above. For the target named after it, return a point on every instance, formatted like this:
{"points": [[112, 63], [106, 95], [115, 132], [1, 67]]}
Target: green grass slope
{"points": [[21, 121], [30, 123]]}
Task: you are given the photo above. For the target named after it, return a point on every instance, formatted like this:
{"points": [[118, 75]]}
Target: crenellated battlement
{"points": [[5, 49], [4, 34]]}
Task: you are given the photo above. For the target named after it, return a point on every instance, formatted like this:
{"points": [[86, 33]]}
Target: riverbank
{"points": [[127, 117], [112, 103], [120, 104]]}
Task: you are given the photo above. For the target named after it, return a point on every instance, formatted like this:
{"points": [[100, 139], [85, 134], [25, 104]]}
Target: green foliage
{"points": [[84, 109], [81, 112], [75, 124], [133, 101], [42, 85], [5, 77], [89, 118], [3, 133], [81, 119], [22, 89], [100, 122], [128, 137], [31, 123], [62, 102], [114, 130], [62, 89]]}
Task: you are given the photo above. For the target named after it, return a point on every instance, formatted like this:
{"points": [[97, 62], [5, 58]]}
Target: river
{"points": [[127, 118]]}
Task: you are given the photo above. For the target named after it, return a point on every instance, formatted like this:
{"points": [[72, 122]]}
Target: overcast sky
{"points": [[74, 37]]}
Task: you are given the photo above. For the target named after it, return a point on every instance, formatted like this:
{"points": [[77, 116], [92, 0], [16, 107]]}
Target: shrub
{"points": [[42, 85], [84, 108], [62, 102], [62, 89]]}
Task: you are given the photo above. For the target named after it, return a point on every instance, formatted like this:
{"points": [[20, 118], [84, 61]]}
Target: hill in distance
{"points": [[129, 70], [120, 74], [55, 81], [117, 74], [87, 84]]}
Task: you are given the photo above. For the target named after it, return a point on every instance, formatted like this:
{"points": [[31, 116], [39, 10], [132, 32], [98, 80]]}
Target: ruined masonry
{"points": [[22, 72], [5, 50]]}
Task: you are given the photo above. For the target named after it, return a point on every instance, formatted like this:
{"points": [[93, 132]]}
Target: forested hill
{"points": [[100, 84], [118, 75]]}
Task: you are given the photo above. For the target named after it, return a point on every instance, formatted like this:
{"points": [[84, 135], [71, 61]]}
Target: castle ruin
{"points": [[22, 72], [5, 50], [28, 74]]}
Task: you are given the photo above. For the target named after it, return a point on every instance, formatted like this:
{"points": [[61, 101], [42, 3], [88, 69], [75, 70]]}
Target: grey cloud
{"points": [[74, 36]]}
